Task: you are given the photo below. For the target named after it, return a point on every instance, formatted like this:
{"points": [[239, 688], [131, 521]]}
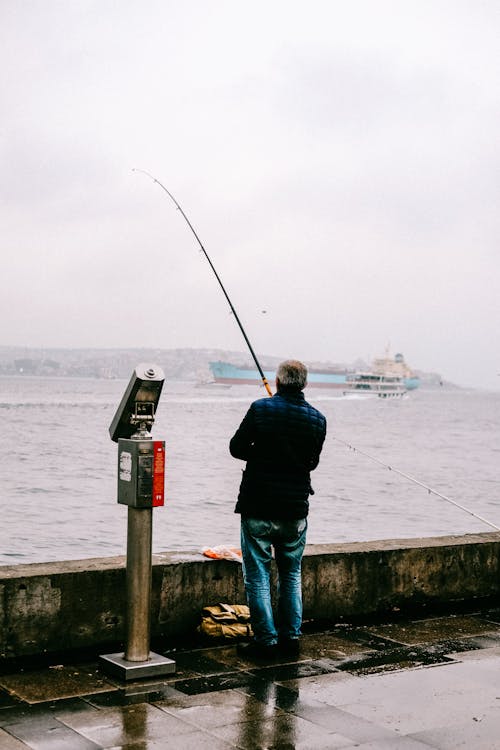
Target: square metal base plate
{"points": [[155, 666]]}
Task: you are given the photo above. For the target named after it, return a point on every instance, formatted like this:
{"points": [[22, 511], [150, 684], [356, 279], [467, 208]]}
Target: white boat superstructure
{"points": [[397, 366], [374, 384]]}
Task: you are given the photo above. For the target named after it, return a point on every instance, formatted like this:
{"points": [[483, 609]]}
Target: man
{"points": [[281, 439]]}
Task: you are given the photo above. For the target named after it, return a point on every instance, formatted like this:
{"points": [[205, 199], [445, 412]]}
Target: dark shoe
{"points": [[289, 647], [255, 650]]}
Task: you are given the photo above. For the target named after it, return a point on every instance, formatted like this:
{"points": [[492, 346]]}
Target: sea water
{"points": [[58, 467]]}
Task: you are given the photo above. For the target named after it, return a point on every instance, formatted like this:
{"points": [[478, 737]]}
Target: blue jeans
{"points": [[288, 538]]}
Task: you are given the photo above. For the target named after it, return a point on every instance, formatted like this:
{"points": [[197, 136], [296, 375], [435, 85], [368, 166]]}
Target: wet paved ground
{"points": [[423, 683]]}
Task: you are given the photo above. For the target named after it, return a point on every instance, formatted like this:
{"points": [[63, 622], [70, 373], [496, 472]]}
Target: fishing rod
{"points": [[430, 490], [254, 356]]}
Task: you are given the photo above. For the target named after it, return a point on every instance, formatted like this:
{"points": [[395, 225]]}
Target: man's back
{"points": [[281, 439]]}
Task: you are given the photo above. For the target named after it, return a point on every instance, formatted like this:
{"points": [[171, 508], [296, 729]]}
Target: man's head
{"points": [[291, 375]]}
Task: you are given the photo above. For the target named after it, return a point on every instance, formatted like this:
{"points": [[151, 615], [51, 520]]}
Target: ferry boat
{"points": [[373, 384], [328, 377]]}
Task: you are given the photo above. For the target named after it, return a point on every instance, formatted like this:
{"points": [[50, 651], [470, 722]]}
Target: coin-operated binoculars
{"points": [[141, 479]]}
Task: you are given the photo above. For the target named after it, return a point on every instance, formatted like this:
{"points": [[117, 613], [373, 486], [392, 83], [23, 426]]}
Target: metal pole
{"points": [[139, 544], [138, 661]]}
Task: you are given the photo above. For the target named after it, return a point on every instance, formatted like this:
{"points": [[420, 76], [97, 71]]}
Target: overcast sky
{"points": [[339, 161]]}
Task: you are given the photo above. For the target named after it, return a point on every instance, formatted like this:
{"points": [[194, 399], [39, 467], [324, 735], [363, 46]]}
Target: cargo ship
{"points": [[329, 377]]}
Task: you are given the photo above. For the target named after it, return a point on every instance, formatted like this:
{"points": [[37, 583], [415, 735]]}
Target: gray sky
{"points": [[339, 161]]}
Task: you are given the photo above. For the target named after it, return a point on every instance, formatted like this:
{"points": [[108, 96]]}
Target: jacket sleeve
{"points": [[240, 445], [319, 447]]}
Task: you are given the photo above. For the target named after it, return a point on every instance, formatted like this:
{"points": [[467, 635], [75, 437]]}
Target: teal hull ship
{"points": [[229, 374]]}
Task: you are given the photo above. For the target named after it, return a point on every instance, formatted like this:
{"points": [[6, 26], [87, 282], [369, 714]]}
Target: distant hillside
{"points": [[177, 364]]}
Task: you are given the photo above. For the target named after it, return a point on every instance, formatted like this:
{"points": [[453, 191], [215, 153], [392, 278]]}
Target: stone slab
{"points": [[55, 683]]}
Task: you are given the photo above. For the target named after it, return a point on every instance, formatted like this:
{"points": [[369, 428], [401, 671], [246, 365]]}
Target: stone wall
{"points": [[81, 604]]}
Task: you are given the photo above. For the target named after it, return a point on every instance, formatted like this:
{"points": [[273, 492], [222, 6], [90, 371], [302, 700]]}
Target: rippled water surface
{"points": [[58, 475]]}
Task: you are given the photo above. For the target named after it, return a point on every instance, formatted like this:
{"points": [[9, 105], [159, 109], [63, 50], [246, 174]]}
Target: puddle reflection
{"points": [[134, 723], [263, 723]]}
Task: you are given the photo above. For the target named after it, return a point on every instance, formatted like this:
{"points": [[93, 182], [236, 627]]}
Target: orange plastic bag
{"points": [[222, 552]]}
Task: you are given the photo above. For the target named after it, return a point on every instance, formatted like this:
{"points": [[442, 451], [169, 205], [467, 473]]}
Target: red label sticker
{"points": [[158, 473]]}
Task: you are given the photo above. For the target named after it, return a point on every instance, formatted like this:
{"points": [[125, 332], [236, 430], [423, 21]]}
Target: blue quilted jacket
{"points": [[281, 439]]}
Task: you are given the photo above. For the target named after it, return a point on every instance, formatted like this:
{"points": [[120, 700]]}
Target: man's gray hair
{"points": [[292, 375]]}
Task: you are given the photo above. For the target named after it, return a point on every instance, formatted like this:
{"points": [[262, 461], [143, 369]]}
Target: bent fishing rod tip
{"points": [[143, 171], [233, 311]]}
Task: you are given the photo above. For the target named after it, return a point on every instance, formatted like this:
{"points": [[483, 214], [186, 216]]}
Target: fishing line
{"points": [[430, 490], [254, 356]]}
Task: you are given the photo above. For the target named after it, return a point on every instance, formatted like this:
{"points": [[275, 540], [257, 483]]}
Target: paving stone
{"points": [[132, 694], [201, 663], [234, 662], [8, 742], [279, 673], [481, 654], [56, 682], [128, 724], [44, 732], [25, 712], [405, 657], [482, 672], [215, 682], [316, 681], [410, 701], [293, 701], [218, 709], [329, 717], [364, 638], [193, 741], [395, 743], [284, 731], [272, 694], [328, 645], [434, 629], [483, 733]]}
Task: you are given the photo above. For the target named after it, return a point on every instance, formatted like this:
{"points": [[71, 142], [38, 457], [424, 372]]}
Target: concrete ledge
{"points": [[60, 606]]}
